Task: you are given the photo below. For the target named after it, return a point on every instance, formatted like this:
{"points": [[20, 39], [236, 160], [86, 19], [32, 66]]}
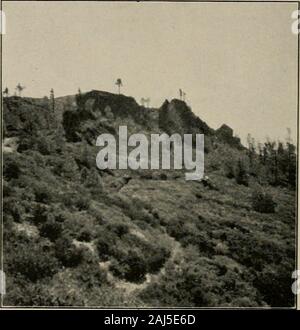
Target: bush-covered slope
{"points": [[78, 236]]}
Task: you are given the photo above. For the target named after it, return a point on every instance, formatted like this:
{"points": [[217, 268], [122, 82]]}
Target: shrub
{"points": [[44, 193], [90, 274], [41, 214], [11, 168], [44, 145], [150, 255], [51, 229], [82, 203], [120, 229], [77, 200], [179, 287], [7, 223], [13, 207], [85, 235], [78, 225], [174, 229], [254, 252], [93, 180], [229, 170], [32, 260], [66, 167], [105, 244], [67, 252], [7, 189], [146, 175], [241, 174], [157, 259], [24, 293], [274, 283], [131, 267], [262, 202]]}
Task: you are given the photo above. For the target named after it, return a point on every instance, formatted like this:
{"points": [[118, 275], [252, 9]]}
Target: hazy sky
{"points": [[236, 62]]}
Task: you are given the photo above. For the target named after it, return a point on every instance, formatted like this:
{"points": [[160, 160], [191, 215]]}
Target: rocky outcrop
{"points": [[225, 134], [107, 104], [100, 112], [86, 116], [177, 117], [225, 131]]}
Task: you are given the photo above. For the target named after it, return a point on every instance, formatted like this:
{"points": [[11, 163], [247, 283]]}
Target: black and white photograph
{"points": [[149, 154]]}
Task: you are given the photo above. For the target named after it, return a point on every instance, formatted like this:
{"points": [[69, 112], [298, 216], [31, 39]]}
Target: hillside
{"points": [[78, 236]]}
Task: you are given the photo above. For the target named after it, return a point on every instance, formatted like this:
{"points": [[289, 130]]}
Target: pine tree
{"points": [[19, 89], [78, 97], [52, 100], [119, 84]]}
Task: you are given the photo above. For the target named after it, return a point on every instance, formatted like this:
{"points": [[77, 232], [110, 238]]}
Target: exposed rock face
{"points": [[100, 112], [225, 131], [225, 134], [177, 117], [86, 116], [117, 105]]}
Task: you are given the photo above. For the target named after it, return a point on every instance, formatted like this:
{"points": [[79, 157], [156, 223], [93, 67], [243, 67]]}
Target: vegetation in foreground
{"points": [[78, 236]]}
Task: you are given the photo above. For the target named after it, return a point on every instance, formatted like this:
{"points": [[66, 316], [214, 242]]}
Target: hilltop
{"points": [[78, 236], [104, 108]]}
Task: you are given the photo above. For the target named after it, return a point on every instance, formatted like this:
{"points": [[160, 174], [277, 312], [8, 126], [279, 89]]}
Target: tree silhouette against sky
{"points": [[19, 89], [119, 84]]}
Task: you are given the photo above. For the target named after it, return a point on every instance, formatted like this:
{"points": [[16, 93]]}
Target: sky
{"points": [[237, 62]]}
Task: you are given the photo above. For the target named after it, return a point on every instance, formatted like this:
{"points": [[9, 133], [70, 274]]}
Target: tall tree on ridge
{"points": [[52, 100], [119, 84], [78, 96], [20, 88]]}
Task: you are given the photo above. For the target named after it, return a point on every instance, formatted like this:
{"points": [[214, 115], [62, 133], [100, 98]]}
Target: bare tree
{"points": [[19, 89], [119, 84], [78, 97]]}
